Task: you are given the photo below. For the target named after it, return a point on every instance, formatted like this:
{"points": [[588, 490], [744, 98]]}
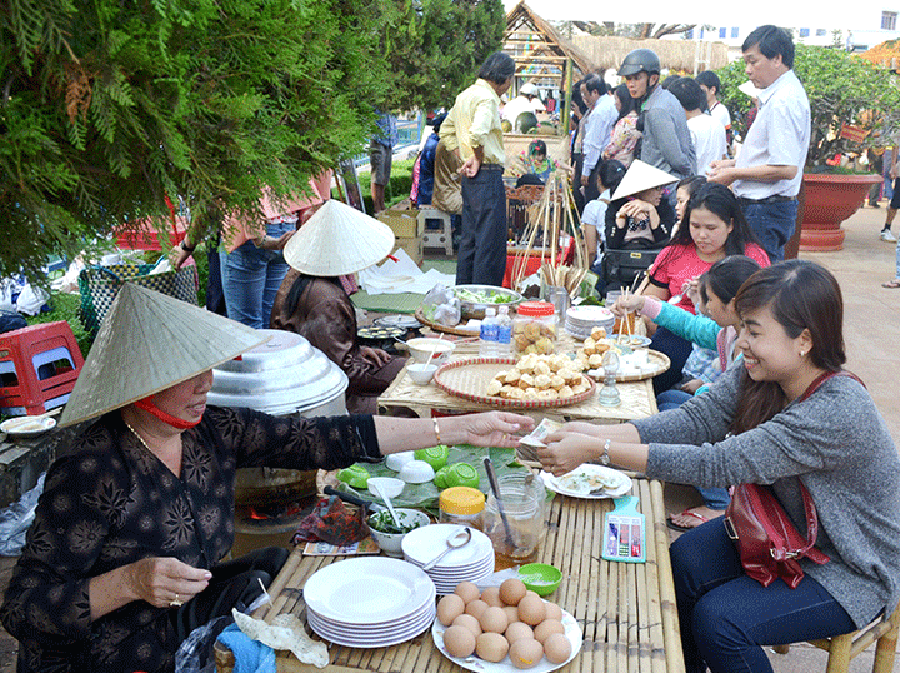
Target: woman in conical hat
{"points": [[124, 555], [313, 303], [638, 216]]}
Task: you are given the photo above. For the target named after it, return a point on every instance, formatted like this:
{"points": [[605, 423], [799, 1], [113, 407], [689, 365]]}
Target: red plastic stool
{"points": [[38, 368]]}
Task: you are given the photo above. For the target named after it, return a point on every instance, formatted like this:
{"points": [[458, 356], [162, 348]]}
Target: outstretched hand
{"points": [[564, 451], [163, 582], [628, 304], [497, 428]]}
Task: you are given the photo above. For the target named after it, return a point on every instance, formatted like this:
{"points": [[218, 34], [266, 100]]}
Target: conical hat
{"points": [[338, 240], [148, 342], [641, 176]]}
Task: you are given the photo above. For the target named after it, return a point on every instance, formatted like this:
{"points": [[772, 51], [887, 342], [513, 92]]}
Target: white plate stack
{"points": [[580, 320], [369, 602], [470, 563]]}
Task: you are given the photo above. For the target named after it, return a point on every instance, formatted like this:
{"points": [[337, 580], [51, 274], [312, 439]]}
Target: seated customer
{"points": [[638, 217], [775, 419], [125, 554], [311, 301]]}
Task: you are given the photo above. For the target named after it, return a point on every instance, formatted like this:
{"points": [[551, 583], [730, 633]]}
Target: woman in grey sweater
{"points": [[756, 426]]}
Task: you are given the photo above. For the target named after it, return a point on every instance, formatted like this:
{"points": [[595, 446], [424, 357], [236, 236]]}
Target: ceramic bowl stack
{"points": [[369, 602], [580, 320], [470, 563]]}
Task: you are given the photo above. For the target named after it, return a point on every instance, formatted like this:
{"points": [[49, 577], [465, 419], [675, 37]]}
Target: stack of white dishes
{"points": [[369, 602], [470, 563], [580, 320]]}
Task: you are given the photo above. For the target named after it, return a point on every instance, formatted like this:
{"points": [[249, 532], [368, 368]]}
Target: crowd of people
{"points": [[125, 555]]}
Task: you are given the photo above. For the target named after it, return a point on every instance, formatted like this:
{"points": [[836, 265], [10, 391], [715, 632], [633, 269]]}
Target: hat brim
{"points": [[641, 176]]}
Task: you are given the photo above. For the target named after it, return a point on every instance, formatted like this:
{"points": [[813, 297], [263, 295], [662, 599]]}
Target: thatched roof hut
{"points": [[608, 52]]}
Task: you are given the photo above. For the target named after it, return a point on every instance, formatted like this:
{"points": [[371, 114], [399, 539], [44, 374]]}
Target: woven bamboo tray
{"points": [[468, 379], [437, 327], [660, 362]]}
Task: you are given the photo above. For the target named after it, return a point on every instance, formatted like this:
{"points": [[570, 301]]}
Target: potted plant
{"points": [[853, 105]]}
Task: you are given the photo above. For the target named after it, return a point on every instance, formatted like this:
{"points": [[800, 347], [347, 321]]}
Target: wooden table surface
{"points": [[626, 610], [637, 397]]}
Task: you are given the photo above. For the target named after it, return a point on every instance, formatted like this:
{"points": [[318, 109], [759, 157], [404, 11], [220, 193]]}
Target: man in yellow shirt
{"points": [[472, 131]]}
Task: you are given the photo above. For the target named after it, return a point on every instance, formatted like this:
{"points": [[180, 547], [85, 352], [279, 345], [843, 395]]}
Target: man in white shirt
{"points": [[598, 131], [767, 173], [707, 133], [711, 86]]}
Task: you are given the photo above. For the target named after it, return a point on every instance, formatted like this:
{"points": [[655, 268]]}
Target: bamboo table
{"points": [[626, 610]]}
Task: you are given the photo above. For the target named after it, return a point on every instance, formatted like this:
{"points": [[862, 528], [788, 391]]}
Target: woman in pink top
{"points": [[252, 265], [712, 228]]}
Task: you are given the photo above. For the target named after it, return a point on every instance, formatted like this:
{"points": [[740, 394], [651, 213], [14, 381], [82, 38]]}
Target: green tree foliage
{"points": [[841, 88], [107, 107]]}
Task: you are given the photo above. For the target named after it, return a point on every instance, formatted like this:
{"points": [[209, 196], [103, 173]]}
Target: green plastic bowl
{"points": [[541, 578]]}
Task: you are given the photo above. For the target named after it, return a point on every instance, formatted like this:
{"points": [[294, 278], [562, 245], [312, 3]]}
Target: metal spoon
{"points": [[387, 501], [460, 539], [492, 479]]}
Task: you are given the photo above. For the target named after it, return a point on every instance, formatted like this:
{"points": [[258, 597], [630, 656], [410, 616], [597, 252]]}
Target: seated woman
{"points": [[312, 302], [124, 557], [537, 165], [777, 419], [712, 228], [638, 217]]}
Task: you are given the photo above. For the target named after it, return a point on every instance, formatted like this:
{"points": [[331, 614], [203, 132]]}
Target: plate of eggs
{"points": [[504, 629]]}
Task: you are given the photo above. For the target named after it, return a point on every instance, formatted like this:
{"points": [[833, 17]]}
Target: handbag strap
{"points": [[823, 377]]}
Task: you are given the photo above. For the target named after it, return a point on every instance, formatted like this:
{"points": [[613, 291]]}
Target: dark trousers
{"points": [[234, 584], [590, 189], [578, 161], [482, 246], [678, 350], [727, 616], [772, 224]]}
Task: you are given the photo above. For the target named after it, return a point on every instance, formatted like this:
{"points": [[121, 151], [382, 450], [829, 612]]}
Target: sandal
{"points": [[892, 285], [674, 526]]}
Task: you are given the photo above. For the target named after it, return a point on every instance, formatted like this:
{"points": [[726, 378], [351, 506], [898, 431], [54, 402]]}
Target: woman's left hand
{"points": [[374, 356], [495, 428], [635, 208], [565, 451]]}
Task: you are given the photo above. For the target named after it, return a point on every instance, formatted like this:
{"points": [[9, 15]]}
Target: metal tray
{"points": [[470, 309]]}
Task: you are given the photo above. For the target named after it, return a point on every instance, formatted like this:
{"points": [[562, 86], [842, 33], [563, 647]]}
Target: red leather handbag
{"points": [[769, 544]]}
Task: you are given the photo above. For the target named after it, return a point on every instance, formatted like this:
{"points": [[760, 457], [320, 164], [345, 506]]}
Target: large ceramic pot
{"points": [[831, 199]]}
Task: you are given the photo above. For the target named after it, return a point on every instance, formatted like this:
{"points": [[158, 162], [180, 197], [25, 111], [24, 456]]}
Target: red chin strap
{"points": [[147, 405]]}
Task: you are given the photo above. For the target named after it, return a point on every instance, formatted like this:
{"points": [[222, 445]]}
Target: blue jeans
{"points": [[677, 349], [251, 277], [772, 224], [714, 498], [727, 616]]}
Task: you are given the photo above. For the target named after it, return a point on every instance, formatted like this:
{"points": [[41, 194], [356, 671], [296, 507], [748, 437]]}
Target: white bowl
{"points": [[396, 461], [390, 542], [386, 486], [421, 374], [417, 472], [420, 349]]}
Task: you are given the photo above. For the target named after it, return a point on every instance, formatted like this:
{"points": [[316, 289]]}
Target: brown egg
{"points": [[512, 591], [476, 608], [459, 641], [491, 647], [469, 622], [491, 596], [449, 608], [547, 628], [529, 592], [526, 653], [512, 615], [557, 648], [517, 631], [531, 610], [552, 611], [493, 620], [467, 591]]}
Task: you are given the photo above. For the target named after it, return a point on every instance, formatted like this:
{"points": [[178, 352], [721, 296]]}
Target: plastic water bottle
{"points": [[488, 345], [504, 333]]}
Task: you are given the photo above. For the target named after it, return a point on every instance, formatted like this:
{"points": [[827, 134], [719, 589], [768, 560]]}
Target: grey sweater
{"points": [[836, 442], [666, 141]]}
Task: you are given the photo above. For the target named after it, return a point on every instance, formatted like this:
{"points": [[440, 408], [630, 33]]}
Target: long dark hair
{"points": [[721, 202], [801, 295], [300, 284], [726, 276], [626, 102]]}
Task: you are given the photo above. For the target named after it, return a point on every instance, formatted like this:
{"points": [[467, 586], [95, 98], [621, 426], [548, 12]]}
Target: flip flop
{"points": [[892, 285], [683, 529]]}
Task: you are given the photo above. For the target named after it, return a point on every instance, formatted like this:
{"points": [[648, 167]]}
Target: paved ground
{"points": [[872, 332]]}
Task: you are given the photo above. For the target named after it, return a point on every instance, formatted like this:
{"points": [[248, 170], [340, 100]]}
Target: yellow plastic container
{"points": [[462, 505]]}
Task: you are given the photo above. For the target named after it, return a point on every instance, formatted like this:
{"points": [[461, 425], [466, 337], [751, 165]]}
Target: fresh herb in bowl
{"points": [[383, 522]]}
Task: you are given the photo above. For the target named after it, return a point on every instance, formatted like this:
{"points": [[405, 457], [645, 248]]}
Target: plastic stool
{"points": [[436, 238], [38, 368]]}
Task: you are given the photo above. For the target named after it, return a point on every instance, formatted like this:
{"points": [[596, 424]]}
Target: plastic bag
{"points": [[15, 520], [193, 654], [31, 299], [441, 306]]}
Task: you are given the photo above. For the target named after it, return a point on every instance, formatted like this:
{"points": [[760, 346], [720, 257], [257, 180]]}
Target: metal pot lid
{"points": [[399, 320], [284, 349]]}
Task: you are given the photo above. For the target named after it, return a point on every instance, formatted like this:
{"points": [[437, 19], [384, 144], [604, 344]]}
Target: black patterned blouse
{"points": [[108, 502]]}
